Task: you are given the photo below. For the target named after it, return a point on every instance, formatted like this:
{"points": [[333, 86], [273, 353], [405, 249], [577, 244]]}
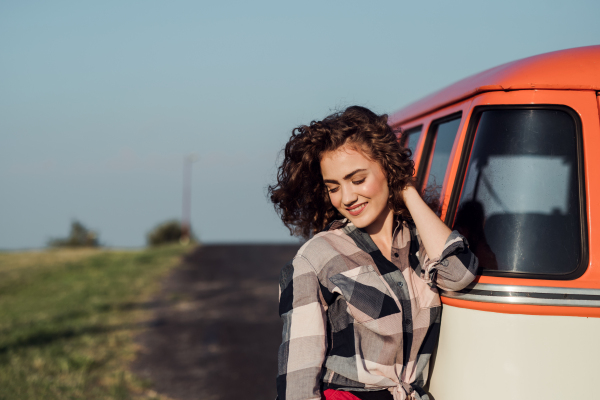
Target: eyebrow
{"points": [[345, 177]]}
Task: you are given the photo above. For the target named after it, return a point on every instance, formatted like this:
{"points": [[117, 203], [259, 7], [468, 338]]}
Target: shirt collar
{"points": [[360, 236]]}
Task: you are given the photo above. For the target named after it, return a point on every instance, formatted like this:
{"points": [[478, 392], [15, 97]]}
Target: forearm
{"points": [[432, 230]]}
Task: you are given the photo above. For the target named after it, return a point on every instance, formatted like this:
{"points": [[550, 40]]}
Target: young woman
{"points": [[359, 302]]}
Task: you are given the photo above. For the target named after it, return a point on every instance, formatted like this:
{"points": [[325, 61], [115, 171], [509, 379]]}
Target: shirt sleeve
{"points": [[304, 339], [454, 269]]}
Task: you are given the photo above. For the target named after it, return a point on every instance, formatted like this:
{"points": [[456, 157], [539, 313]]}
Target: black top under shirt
{"points": [[374, 395]]}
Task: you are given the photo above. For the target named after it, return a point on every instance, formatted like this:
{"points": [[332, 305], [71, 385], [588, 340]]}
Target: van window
{"points": [[442, 139], [410, 138], [519, 207]]}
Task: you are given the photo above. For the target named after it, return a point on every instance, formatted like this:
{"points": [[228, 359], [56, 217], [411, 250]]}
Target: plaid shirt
{"points": [[352, 320]]}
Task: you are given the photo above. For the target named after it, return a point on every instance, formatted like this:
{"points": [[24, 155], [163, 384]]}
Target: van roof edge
{"points": [[571, 69]]}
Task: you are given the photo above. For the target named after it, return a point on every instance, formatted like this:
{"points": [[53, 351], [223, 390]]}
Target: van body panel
{"points": [[572, 69], [488, 355], [515, 337]]}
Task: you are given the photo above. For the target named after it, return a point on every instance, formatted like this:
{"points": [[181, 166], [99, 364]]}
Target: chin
{"points": [[360, 222]]}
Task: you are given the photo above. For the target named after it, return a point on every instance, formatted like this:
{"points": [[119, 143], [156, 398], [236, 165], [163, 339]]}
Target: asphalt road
{"points": [[216, 329]]}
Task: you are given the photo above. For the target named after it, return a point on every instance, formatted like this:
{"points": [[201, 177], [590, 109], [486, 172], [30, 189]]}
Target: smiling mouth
{"points": [[354, 211]]}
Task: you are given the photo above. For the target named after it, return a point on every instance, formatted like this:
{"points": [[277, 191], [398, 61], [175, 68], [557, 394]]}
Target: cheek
{"points": [[335, 199], [375, 188]]}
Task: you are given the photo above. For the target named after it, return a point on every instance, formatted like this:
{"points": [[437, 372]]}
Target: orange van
{"points": [[512, 158]]}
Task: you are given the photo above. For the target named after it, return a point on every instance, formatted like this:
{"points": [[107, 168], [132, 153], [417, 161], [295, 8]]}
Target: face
{"points": [[357, 187]]}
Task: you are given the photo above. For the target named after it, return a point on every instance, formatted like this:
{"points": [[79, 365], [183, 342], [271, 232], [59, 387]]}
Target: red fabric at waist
{"points": [[331, 394]]}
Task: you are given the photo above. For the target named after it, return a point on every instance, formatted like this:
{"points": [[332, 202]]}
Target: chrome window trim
{"points": [[532, 295]]}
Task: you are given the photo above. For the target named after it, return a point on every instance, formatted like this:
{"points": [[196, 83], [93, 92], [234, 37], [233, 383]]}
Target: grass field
{"points": [[68, 318]]}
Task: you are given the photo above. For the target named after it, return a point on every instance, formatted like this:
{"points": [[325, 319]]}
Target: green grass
{"points": [[68, 318]]}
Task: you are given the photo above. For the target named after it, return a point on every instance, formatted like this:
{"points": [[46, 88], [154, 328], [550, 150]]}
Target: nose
{"points": [[348, 195]]}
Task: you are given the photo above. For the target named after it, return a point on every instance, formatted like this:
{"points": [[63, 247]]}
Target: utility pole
{"points": [[186, 206]]}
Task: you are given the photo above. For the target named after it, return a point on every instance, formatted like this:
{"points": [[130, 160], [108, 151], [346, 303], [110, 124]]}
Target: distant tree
{"points": [[79, 236], [166, 232]]}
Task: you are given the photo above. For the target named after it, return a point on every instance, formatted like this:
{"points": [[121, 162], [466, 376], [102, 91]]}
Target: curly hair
{"points": [[300, 197]]}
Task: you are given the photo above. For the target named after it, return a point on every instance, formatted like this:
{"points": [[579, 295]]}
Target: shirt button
{"points": [[395, 254], [400, 284]]}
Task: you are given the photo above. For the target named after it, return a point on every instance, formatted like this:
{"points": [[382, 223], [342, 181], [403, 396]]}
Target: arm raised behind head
{"points": [[445, 256]]}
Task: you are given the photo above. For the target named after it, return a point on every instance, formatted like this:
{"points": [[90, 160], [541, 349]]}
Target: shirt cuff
{"points": [[456, 243]]}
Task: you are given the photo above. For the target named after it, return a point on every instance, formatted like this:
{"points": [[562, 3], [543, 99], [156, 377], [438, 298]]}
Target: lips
{"points": [[357, 209]]}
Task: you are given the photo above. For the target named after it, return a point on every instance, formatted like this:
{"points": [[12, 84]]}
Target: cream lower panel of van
{"points": [[493, 356]]}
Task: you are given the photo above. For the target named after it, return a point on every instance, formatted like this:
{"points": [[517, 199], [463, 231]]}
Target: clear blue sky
{"points": [[100, 101]]}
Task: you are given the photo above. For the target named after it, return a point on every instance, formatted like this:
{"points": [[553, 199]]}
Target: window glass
{"points": [[411, 137], [443, 140], [519, 206]]}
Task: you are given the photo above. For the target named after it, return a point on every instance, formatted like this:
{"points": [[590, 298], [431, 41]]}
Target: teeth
{"points": [[359, 207]]}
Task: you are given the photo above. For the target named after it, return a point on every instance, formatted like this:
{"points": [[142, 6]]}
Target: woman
{"points": [[359, 302]]}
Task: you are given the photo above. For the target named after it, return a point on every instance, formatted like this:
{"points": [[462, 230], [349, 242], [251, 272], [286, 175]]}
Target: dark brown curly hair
{"points": [[300, 197]]}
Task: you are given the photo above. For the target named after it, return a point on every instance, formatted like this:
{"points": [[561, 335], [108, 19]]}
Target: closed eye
{"points": [[333, 190], [359, 182]]}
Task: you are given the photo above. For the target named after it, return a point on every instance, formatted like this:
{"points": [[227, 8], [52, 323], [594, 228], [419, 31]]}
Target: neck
{"points": [[381, 232]]}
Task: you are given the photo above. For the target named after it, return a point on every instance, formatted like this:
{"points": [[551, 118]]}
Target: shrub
{"points": [[80, 236], [167, 232]]}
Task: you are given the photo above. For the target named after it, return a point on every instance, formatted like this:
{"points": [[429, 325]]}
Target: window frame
{"points": [[465, 157], [427, 152], [404, 134]]}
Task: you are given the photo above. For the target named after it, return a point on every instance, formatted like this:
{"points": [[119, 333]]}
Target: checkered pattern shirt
{"points": [[353, 320]]}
